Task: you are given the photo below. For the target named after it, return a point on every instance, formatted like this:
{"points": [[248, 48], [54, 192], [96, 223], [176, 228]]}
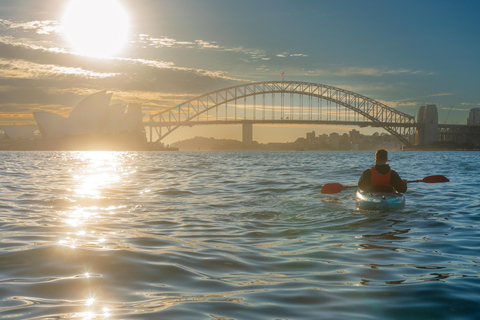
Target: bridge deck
{"points": [[164, 124]]}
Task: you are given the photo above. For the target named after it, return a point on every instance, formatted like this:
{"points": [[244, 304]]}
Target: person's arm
{"points": [[397, 182], [365, 179]]}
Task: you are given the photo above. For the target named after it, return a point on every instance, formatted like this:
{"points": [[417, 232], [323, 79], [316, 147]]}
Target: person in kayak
{"points": [[381, 177]]}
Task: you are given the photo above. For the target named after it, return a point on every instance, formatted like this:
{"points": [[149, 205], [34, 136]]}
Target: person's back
{"points": [[381, 177]]}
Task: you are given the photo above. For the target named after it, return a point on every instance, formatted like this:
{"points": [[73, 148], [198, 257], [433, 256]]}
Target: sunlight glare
{"points": [[90, 301], [96, 28], [101, 172]]}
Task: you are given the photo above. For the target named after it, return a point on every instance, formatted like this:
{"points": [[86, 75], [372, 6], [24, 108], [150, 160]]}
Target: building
{"points": [[474, 117], [334, 140], [311, 136], [15, 132], [94, 117], [354, 136]]}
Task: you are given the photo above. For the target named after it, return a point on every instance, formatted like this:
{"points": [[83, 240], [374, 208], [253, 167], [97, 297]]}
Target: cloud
{"points": [[147, 41], [441, 94], [400, 104], [37, 76], [369, 87], [39, 27], [21, 69], [360, 71], [30, 61], [286, 54], [473, 104]]}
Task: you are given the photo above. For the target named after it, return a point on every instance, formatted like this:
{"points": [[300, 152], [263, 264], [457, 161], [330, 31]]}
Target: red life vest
{"points": [[380, 179]]}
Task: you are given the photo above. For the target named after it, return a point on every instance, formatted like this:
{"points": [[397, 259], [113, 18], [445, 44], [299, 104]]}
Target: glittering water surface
{"points": [[234, 235]]}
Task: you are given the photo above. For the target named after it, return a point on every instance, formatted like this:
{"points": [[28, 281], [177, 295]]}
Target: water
{"points": [[234, 235]]}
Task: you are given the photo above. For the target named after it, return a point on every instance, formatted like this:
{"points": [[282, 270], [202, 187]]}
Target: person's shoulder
{"points": [[366, 172], [394, 172]]}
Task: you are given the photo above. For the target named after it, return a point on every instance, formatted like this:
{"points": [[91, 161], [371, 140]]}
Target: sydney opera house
{"points": [[92, 124]]}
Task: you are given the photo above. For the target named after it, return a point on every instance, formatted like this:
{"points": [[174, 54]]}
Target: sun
{"points": [[96, 28]]}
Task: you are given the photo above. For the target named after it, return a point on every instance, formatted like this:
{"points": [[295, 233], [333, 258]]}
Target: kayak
{"points": [[382, 201]]}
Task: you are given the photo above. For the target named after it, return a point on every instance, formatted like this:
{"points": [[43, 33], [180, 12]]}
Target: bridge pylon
{"points": [[247, 133]]}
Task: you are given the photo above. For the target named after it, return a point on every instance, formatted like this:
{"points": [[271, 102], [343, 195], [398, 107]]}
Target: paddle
{"points": [[431, 179], [332, 188]]}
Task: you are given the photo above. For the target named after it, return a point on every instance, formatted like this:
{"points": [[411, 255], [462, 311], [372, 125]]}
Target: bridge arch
{"points": [[341, 107]]}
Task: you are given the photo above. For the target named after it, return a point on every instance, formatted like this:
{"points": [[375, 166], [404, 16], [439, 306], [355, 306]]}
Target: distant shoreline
{"points": [[83, 144], [134, 143]]}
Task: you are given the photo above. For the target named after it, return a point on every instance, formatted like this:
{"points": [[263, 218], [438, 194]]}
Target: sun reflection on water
{"points": [[97, 176], [101, 170], [97, 179]]}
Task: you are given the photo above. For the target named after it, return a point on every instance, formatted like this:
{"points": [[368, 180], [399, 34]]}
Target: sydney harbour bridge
{"points": [[288, 102]]}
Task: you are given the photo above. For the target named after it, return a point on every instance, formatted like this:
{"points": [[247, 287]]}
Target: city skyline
{"points": [[405, 54]]}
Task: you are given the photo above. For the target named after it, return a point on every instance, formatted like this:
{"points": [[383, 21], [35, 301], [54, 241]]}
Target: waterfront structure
{"points": [[427, 133], [474, 117], [282, 102], [15, 132], [295, 102], [311, 136], [334, 140], [94, 117]]}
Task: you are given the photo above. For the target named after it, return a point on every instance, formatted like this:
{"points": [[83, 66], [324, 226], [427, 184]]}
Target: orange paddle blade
{"points": [[432, 179], [331, 188], [435, 179]]}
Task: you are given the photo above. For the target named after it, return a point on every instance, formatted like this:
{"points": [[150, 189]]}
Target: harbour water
{"points": [[234, 235]]}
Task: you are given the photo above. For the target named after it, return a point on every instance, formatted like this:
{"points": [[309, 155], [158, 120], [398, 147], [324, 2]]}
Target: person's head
{"points": [[381, 157]]}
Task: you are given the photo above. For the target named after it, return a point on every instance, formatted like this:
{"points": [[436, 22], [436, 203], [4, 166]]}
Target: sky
{"points": [[403, 53]]}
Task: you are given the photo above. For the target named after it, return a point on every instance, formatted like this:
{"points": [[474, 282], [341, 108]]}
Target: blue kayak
{"points": [[382, 201]]}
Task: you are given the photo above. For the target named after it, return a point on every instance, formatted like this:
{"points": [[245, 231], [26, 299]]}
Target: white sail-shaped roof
{"points": [[92, 116], [15, 132], [113, 119], [131, 118], [50, 124], [89, 115]]}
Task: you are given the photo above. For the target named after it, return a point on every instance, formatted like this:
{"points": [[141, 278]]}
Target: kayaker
{"points": [[381, 177]]}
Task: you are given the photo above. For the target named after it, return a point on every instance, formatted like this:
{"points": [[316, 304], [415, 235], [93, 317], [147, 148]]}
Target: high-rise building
{"points": [[474, 117], [354, 136], [334, 140], [311, 136]]}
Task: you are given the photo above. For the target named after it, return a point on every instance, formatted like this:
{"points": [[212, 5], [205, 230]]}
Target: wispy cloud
{"points": [[39, 27], [147, 41], [37, 73], [21, 69], [400, 104], [364, 87], [474, 104], [286, 55], [361, 71], [46, 61]]}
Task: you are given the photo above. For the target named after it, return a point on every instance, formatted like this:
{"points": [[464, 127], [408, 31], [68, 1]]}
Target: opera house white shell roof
{"points": [[16, 132], [92, 116]]}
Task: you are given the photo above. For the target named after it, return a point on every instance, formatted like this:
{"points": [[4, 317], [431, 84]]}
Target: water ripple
{"points": [[233, 235]]}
